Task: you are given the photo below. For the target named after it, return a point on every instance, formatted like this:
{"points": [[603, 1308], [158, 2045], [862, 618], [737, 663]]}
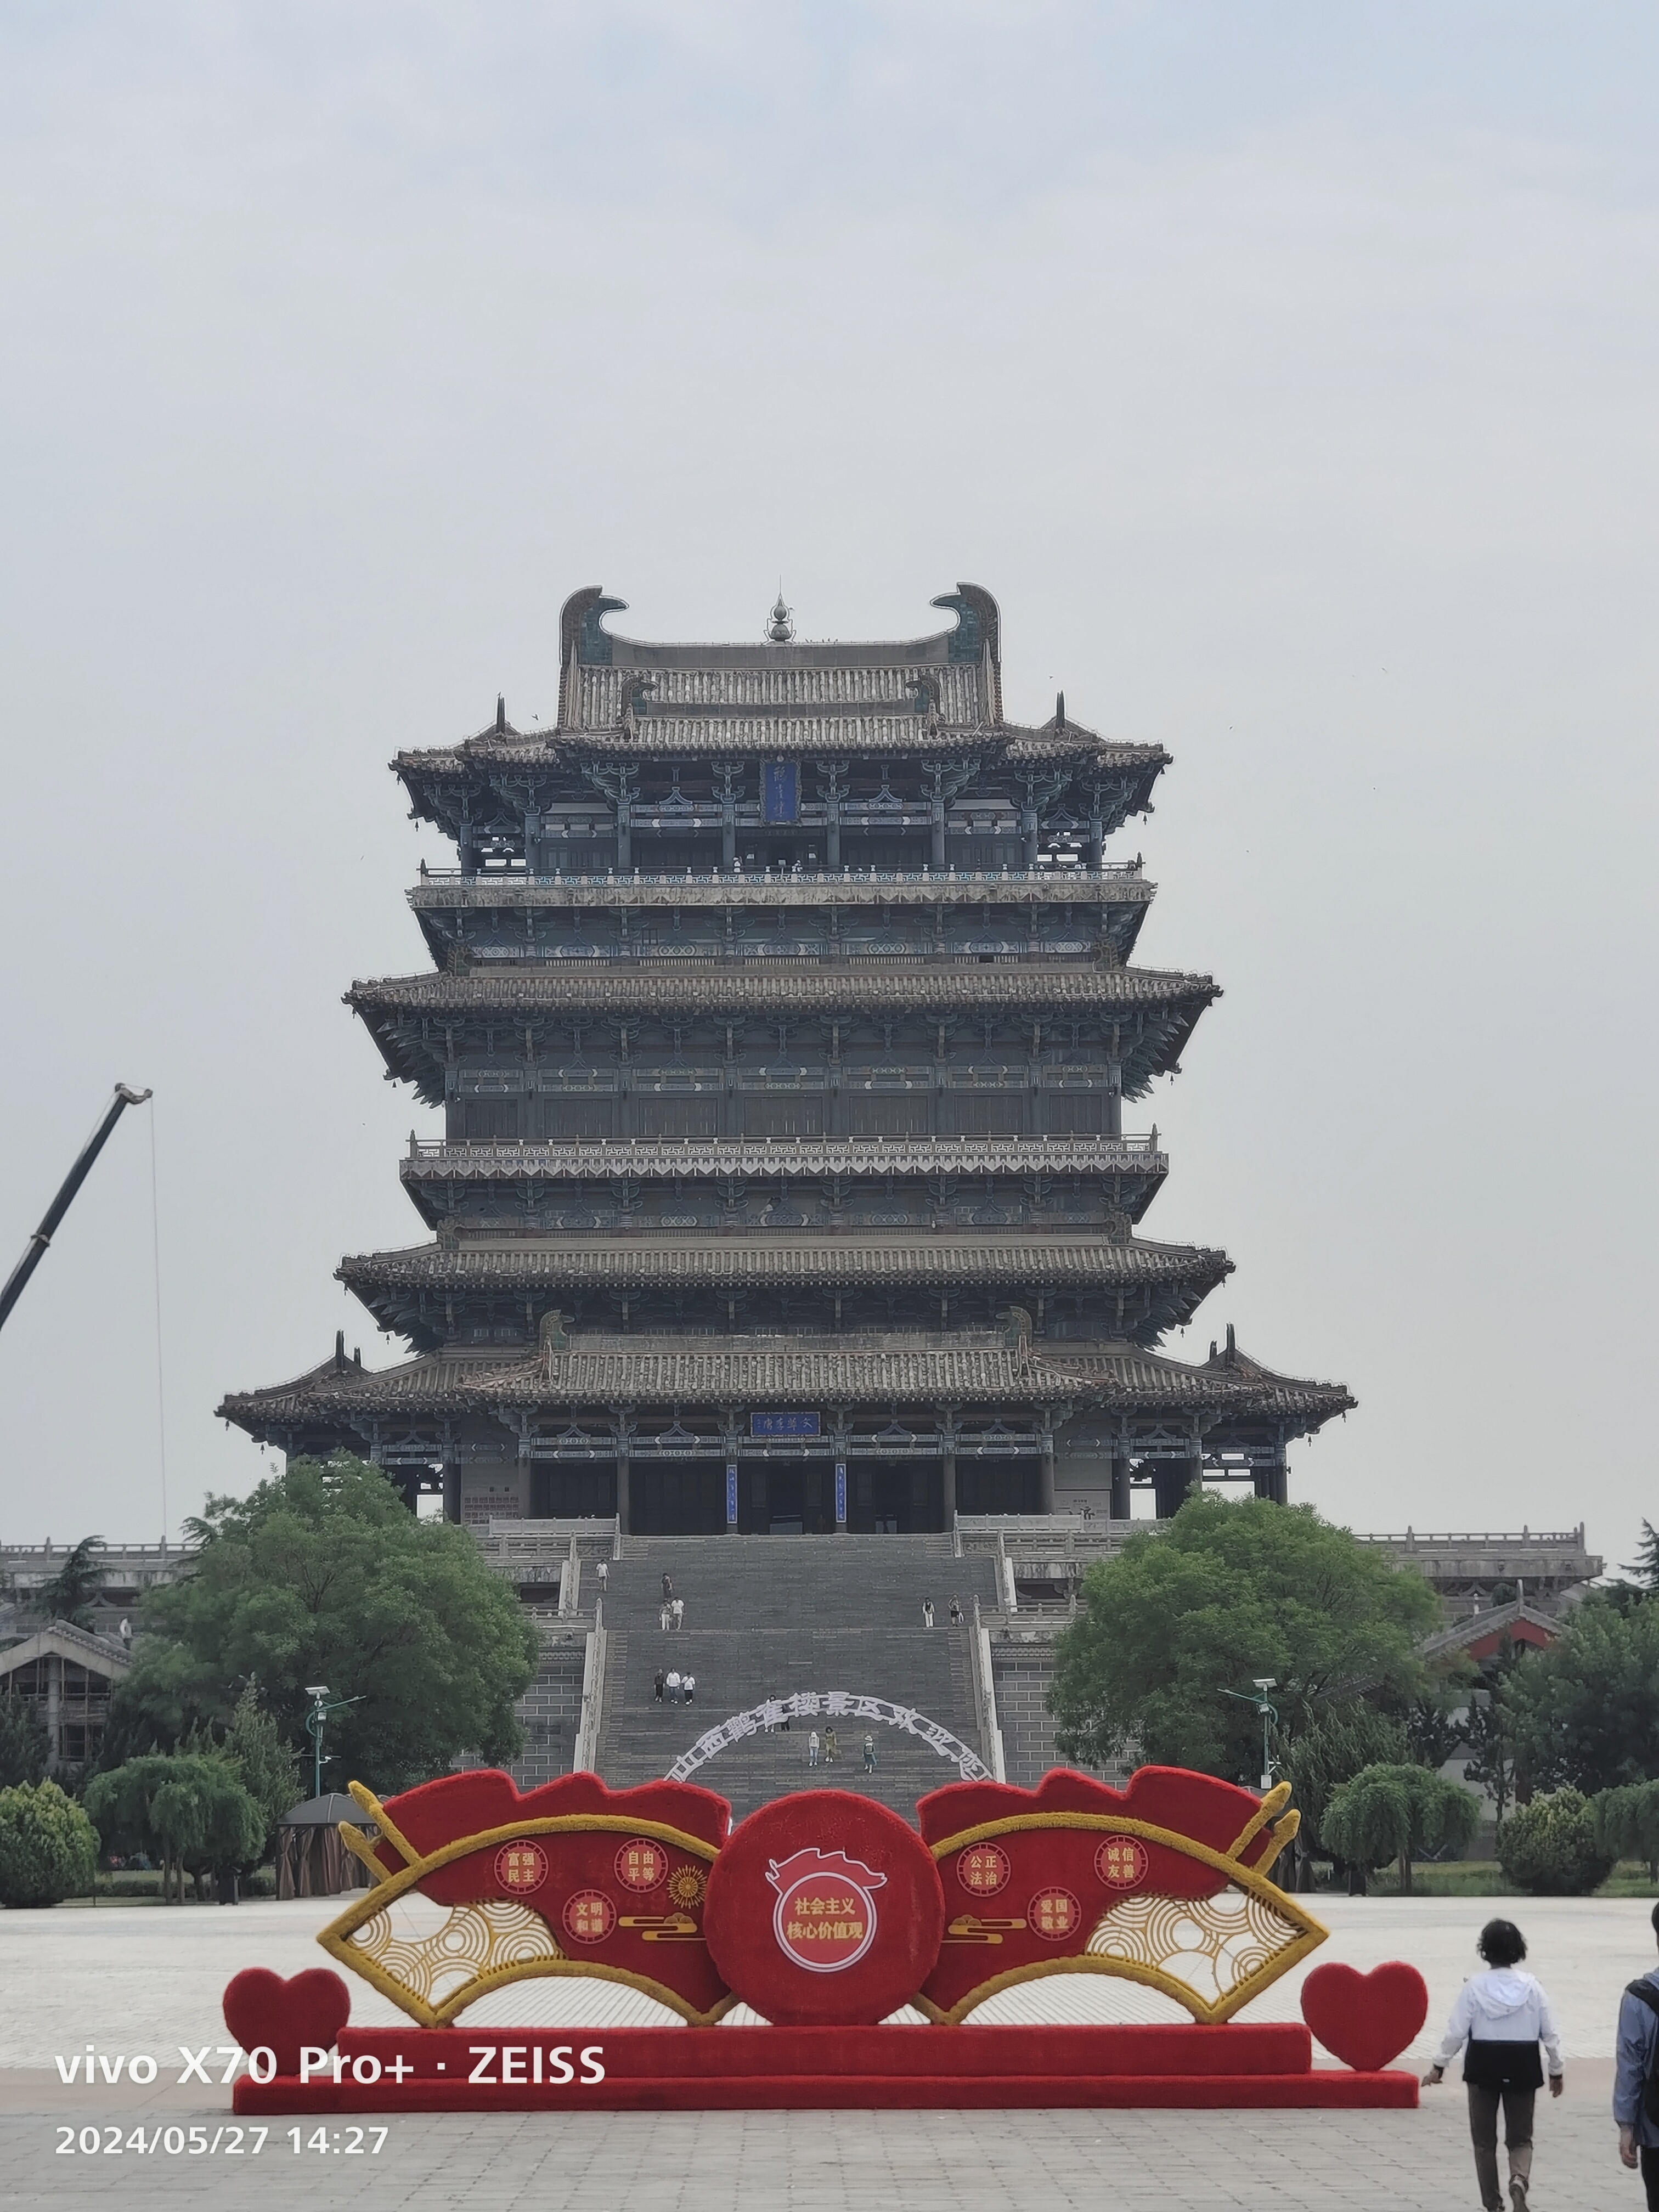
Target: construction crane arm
{"points": [[35, 1249]]}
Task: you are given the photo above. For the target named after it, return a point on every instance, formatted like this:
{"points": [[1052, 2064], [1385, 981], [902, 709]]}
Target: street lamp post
{"points": [[316, 1721], [1269, 1713]]}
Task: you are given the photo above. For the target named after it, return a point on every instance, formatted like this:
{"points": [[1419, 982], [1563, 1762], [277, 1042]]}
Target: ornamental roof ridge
{"points": [[436, 1159], [847, 1257], [1108, 1377], [1071, 983], [900, 733]]}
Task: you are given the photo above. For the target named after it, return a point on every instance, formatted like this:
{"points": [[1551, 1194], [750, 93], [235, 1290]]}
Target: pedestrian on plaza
{"points": [[956, 1612], [869, 1754], [927, 1612], [831, 1749], [812, 1748], [687, 1686], [679, 1612], [1634, 2084], [602, 1571], [673, 1686], [1498, 2022], [658, 1685]]}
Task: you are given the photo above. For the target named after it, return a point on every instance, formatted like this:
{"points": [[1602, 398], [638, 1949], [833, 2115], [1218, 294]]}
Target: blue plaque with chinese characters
{"points": [[731, 1494], [783, 1424], [782, 790]]}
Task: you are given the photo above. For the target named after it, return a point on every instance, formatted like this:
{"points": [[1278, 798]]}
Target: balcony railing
{"points": [[596, 1155], [751, 879]]}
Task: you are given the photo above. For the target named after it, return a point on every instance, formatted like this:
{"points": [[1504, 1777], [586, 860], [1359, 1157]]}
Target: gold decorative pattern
{"points": [[393, 1964], [1208, 1946], [452, 1966], [1226, 1954]]}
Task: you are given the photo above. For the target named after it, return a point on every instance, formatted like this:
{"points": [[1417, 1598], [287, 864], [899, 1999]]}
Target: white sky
{"points": [[1288, 374]]}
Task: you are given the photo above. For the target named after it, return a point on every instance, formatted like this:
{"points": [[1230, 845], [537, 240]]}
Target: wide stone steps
{"points": [[769, 1616]]}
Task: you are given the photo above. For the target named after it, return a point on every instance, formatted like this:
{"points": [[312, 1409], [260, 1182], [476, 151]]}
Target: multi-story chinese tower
{"points": [[782, 1017]]}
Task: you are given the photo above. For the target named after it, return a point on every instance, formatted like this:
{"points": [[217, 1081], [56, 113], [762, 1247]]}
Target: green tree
{"points": [[1624, 1823], [188, 1809], [1585, 1711], [1548, 1846], [265, 1762], [1226, 1593], [1645, 1567], [48, 1847], [1397, 1813], [22, 1743], [1491, 1764], [74, 1590], [323, 1575], [1342, 1742]]}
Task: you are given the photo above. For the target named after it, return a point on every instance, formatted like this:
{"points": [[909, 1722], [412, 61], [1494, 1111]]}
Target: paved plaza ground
{"points": [[144, 1979]]}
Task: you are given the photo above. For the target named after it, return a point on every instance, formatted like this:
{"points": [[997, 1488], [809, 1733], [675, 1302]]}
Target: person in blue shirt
{"points": [[1638, 2031]]}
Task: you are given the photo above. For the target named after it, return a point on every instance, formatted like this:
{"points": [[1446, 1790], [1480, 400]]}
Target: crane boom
{"points": [[35, 1249]]}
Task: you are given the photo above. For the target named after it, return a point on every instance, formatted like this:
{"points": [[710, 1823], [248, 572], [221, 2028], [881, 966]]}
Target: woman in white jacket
{"points": [[1498, 2022]]}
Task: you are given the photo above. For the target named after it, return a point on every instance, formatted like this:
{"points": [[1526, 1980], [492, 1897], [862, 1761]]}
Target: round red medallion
{"points": [[1121, 1862], [824, 1908], [641, 1865], [1053, 1914], [983, 1870], [521, 1867], [589, 1917]]}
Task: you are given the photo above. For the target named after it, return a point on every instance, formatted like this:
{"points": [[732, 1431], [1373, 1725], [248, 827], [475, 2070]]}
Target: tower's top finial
{"points": [[781, 628]]}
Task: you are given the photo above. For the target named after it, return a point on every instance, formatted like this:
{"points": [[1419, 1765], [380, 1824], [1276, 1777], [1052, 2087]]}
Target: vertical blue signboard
{"points": [[782, 782], [731, 1493], [841, 1493]]}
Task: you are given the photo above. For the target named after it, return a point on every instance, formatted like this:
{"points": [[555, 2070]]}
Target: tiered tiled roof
{"points": [[796, 1158], [716, 1371], [782, 1257]]}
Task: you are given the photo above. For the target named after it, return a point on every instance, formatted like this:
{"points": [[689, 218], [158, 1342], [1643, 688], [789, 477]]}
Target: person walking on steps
{"points": [[956, 1612], [678, 1609], [602, 1571], [869, 1754], [831, 1749], [812, 1748], [673, 1686], [1498, 2022], [688, 1684], [1634, 2092], [659, 1684], [927, 1612], [667, 1586]]}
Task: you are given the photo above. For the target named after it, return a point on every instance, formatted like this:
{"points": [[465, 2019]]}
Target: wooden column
{"points": [[451, 1492], [1046, 1473], [1118, 1506], [948, 1485], [624, 1432]]}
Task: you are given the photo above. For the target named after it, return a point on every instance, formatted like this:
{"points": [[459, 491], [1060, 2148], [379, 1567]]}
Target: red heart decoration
{"points": [[1365, 2019], [262, 2010]]}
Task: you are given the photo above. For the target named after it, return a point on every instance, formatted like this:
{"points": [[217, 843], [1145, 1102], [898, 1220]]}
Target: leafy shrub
{"points": [[1549, 1847], [1397, 1813], [48, 1847]]}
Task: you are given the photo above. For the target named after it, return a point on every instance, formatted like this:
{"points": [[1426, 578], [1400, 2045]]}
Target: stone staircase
{"points": [[769, 1616]]}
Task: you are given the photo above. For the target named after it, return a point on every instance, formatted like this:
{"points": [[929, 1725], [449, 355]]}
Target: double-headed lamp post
{"points": [[1269, 1713], [316, 1721]]}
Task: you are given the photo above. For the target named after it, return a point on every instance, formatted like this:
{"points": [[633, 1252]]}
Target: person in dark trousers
{"points": [[657, 1685], [667, 1589], [1501, 2016], [1638, 2034]]}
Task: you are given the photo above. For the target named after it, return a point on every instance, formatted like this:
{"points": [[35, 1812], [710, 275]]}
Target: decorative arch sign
{"points": [[829, 1705], [821, 1911]]}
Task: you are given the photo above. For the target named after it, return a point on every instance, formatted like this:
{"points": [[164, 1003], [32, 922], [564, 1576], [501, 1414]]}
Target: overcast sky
{"points": [[1288, 372]]}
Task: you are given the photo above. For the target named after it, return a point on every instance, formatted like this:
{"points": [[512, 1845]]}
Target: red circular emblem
{"points": [[983, 1870], [641, 1865], [825, 1915], [1053, 1914], [824, 1908], [589, 1917], [521, 1867], [1122, 1861]]}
